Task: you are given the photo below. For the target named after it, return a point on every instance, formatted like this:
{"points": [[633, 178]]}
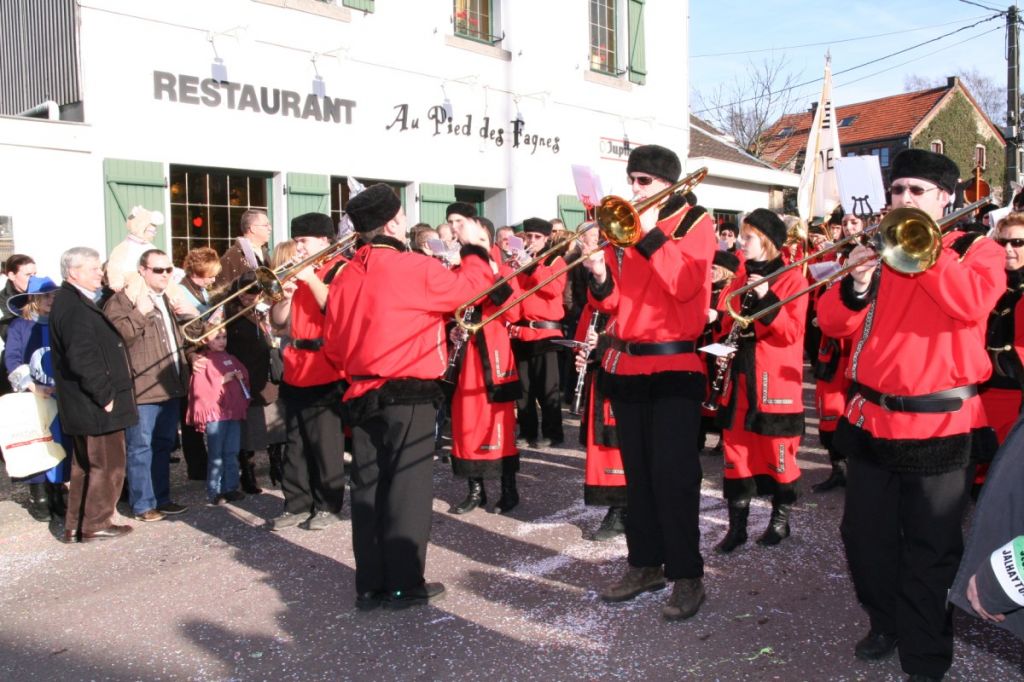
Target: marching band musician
{"points": [[391, 346], [483, 406], [312, 473], [762, 415], [604, 482], [831, 383], [918, 357], [658, 295], [531, 340], [1001, 394], [723, 271]]}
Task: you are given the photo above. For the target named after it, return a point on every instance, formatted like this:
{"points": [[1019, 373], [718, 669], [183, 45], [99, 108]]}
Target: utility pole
{"points": [[1013, 136]]}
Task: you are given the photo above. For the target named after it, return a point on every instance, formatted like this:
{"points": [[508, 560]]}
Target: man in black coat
{"points": [[989, 583], [95, 397]]}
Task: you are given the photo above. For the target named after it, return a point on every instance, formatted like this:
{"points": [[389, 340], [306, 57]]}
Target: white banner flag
{"points": [[818, 195]]}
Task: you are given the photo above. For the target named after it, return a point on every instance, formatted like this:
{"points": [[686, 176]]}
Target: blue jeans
{"points": [[222, 443], [149, 444]]}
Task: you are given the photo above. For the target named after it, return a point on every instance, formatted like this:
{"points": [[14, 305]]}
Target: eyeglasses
{"points": [[1016, 242], [160, 271], [915, 190], [642, 180]]}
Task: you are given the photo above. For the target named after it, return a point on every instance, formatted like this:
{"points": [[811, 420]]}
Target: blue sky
{"points": [[717, 27]]}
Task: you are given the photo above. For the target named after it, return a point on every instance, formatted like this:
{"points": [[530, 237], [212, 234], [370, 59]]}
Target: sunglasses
{"points": [[642, 180], [160, 271], [915, 190], [1016, 242]]}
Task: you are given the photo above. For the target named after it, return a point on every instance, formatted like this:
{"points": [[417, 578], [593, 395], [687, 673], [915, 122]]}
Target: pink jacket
{"points": [[212, 400]]}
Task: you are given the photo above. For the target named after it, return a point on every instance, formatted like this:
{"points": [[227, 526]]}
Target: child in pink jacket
{"points": [[217, 403]]}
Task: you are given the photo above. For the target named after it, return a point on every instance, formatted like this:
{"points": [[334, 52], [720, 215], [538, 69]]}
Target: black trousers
{"points": [[313, 470], [658, 440], [903, 541], [538, 374], [392, 493]]}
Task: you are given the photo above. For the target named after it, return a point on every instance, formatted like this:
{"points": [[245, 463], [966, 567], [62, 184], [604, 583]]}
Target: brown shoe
{"points": [[108, 533], [637, 580], [687, 596], [150, 515]]}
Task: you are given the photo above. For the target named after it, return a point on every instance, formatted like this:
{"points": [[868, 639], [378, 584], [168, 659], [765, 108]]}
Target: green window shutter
{"points": [[434, 200], [132, 183], [307, 194], [362, 5], [571, 211], [637, 60]]}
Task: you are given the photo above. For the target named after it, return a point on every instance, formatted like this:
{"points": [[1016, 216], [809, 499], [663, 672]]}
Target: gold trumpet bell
{"points": [[911, 241], [619, 221]]}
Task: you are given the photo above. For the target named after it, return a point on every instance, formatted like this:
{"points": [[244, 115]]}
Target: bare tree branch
{"points": [[748, 106]]}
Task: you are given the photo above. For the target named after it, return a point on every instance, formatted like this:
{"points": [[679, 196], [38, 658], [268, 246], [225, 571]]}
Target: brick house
{"points": [[945, 119]]}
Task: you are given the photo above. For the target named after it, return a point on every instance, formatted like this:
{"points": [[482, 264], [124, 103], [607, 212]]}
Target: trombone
{"points": [[269, 284], [618, 220], [908, 240]]}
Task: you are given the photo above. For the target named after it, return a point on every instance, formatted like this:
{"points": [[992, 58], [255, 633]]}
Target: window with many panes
{"points": [[207, 204], [340, 193], [603, 32], [474, 20]]}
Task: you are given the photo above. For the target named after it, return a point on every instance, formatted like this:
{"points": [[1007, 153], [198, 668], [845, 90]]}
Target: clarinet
{"points": [[577, 401], [723, 365], [453, 355]]}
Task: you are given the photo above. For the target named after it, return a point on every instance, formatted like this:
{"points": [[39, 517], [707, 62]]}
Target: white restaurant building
{"points": [[204, 108]]}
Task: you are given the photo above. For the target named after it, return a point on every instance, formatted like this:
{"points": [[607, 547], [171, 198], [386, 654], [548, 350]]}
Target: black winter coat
{"points": [[90, 366]]}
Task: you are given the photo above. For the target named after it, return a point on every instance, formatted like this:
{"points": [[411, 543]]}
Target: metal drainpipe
{"points": [[49, 107]]}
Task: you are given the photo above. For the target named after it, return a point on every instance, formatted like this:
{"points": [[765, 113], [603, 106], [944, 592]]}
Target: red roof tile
{"points": [[878, 119]]}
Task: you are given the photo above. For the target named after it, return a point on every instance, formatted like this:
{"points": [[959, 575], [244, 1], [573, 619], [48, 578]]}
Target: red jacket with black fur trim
{"points": [[919, 334], [659, 292], [386, 312]]}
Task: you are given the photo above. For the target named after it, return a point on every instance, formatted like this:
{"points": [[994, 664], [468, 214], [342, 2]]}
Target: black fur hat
{"points": [[729, 225], [656, 160], [537, 225], [921, 163], [727, 260], [313, 225], [769, 224], [373, 207], [460, 208]]}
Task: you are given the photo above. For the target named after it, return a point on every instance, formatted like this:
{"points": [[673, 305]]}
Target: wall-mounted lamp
{"points": [[446, 105], [218, 69], [319, 86]]}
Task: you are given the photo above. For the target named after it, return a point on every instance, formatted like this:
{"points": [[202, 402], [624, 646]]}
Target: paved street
{"points": [[211, 595]]}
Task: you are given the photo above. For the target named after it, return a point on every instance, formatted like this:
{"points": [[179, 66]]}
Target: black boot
{"points": [[57, 497], [509, 494], [739, 511], [477, 496], [613, 525], [276, 455], [778, 524], [38, 502], [836, 479], [247, 469]]}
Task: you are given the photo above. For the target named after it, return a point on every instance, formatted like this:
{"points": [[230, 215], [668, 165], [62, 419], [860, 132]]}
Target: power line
{"points": [[831, 42], [854, 68], [976, 4]]}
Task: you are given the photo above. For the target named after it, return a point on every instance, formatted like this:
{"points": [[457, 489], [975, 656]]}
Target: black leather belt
{"points": [[949, 400], [307, 344], [538, 324], [662, 348]]}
